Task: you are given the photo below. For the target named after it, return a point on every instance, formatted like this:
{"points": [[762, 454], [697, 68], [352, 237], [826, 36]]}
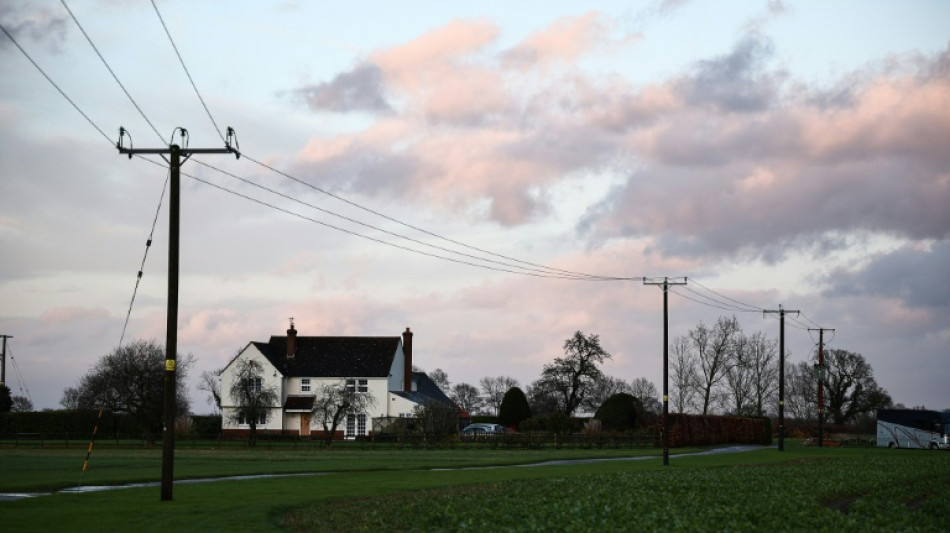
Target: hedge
{"points": [[82, 422], [699, 430]]}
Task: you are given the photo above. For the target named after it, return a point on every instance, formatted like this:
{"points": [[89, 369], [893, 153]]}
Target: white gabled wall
{"points": [[270, 378], [397, 373], [399, 406]]}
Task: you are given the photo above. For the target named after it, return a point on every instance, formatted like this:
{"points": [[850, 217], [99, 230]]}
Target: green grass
{"points": [[799, 489], [44, 470]]}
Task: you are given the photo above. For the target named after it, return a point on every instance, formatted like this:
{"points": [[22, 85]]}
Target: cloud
{"points": [[565, 41], [915, 276], [727, 158], [669, 6], [360, 89], [40, 26], [737, 81], [781, 170]]}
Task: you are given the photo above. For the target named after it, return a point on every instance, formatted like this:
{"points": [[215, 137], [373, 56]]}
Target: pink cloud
{"points": [[433, 57], [68, 315], [565, 40]]}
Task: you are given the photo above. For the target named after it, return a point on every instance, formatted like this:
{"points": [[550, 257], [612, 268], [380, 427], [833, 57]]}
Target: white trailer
{"points": [[913, 428]]}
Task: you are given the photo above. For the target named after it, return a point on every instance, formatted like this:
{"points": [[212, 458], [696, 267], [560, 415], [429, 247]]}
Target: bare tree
{"points": [[851, 387], [21, 404], [437, 420], [683, 377], [70, 399], [603, 388], [542, 398], [714, 353], [572, 377], [130, 379], [466, 396], [252, 400], [801, 392], [441, 378], [334, 402], [645, 391], [210, 382], [762, 358], [739, 378], [494, 389]]}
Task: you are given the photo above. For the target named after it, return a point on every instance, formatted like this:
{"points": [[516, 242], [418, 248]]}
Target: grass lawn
{"points": [[799, 489]]}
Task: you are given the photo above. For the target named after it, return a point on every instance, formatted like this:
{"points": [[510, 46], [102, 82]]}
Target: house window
{"points": [[357, 385], [355, 425], [305, 385], [242, 420], [254, 385]]}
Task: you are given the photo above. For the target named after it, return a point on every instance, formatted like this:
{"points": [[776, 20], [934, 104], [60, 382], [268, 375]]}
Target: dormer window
{"points": [[357, 385]]}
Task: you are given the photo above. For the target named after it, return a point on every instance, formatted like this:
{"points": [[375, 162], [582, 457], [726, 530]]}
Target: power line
{"points": [[568, 273], [109, 68], [536, 267], [565, 275], [19, 375], [53, 83], [546, 271], [148, 245], [740, 303], [399, 246], [710, 301], [182, 61]]}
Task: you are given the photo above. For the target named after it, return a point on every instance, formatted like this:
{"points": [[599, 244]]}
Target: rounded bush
{"points": [[619, 412], [514, 408]]}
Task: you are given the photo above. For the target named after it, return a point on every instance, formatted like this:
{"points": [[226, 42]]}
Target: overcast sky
{"points": [[777, 153]]}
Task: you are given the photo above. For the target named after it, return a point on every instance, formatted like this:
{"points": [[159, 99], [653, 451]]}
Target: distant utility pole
{"points": [[177, 156], [781, 374], [666, 359], [820, 367], [3, 360]]}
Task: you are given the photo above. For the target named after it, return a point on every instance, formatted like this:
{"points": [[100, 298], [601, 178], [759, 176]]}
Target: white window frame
{"points": [[355, 425], [357, 385], [305, 385], [261, 421], [256, 384]]}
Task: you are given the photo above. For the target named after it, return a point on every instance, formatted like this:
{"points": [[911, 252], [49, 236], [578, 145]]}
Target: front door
{"points": [[304, 424]]}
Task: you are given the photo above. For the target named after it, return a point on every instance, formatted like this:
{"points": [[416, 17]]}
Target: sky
{"points": [[493, 175]]}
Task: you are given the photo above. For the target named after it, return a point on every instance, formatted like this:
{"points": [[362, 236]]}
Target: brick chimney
{"points": [[407, 353], [291, 340]]}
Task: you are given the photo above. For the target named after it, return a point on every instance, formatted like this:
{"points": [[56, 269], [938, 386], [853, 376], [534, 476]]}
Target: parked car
{"points": [[481, 430]]}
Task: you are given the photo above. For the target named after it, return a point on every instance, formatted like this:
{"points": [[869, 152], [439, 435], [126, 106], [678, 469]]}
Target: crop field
{"points": [[803, 488]]}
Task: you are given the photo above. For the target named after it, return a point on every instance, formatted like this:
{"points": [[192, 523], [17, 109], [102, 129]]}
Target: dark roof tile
{"points": [[320, 357]]}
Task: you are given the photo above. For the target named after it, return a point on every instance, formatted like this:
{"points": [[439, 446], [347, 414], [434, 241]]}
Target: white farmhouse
{"points": [[296, 367]]}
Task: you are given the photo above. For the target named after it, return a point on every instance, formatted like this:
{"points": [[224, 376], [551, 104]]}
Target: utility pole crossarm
{"points": [[184, 152]]}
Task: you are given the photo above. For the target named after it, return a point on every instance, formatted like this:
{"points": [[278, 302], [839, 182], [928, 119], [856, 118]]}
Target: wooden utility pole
{"points": [[3, 360], [176, 156], [820, 368], [781, 375], [666, 360]]}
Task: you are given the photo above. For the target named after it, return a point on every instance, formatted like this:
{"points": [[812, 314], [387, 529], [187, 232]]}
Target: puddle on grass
{"points": [[562, 462], [99, 488]]}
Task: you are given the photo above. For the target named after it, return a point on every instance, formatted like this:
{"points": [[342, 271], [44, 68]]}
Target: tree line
{"points": [[720, 369], [714, 369]]}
